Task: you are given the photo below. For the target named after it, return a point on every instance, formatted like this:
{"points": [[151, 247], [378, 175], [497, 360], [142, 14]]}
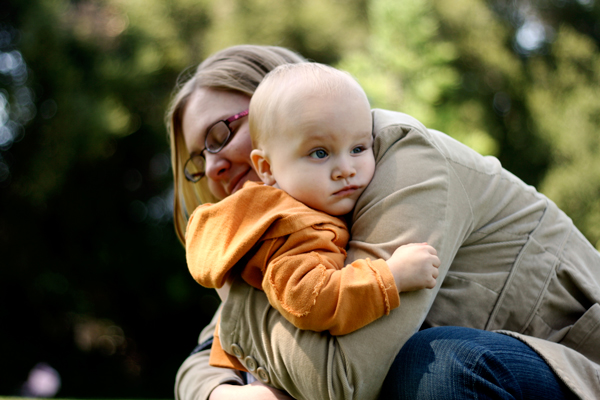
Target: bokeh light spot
{"points": [[43, 381]]}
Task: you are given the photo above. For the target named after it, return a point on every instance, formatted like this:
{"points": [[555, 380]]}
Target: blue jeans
{"points": [[463, 363]]}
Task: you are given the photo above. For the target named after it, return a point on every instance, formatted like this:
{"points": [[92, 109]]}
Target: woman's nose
{"points": [[216, 166]]}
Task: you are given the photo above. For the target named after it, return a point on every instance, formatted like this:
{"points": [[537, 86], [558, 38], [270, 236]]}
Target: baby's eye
{"points": [[320, 153], [358, 149]]}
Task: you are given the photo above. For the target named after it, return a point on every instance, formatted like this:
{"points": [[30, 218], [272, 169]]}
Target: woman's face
{"points": [[231, 167]]}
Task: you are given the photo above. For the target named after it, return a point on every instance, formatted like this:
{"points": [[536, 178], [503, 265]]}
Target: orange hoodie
{"points": [[292, 252]]}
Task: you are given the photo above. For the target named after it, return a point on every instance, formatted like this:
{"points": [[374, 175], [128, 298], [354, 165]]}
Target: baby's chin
{"points": [[339, 211], [336, 208]]}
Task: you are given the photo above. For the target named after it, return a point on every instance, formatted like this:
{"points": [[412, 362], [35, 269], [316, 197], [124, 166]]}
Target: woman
{"points": [[511, 261]]}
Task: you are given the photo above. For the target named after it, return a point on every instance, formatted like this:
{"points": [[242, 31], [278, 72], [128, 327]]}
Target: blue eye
{"points": [[320, 153], [358, 149]]}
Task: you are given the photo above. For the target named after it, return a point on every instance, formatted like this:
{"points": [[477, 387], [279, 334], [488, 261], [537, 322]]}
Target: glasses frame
{"points": [[196, 177]]}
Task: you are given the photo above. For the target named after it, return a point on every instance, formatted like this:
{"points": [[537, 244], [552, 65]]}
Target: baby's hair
{"points": [[287, 85]]}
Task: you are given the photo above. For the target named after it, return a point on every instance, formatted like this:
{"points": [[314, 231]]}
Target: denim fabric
{"points": [[464, 363]]}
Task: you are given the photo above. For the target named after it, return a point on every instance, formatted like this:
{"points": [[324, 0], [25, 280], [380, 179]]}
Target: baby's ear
{"points": [[262, 166]]}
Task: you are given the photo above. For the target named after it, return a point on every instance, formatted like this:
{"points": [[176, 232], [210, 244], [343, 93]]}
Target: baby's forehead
{"points": [[294, 86], [305, 99], [318, 129]]}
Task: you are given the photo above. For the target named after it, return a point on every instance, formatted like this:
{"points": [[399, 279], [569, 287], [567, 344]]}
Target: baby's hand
{"points": [[414, 266]]}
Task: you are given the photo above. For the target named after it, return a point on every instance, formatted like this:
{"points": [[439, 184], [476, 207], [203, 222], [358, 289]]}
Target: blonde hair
{"points": [[283, 87], [237, 69]]}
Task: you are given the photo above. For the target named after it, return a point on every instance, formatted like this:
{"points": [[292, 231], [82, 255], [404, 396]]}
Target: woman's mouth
{"points": [[237, 183]]}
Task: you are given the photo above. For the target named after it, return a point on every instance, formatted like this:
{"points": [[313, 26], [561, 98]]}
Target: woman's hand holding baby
{"points": [[255, 390], [414, 266]]}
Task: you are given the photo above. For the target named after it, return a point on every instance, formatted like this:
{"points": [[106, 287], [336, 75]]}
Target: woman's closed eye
{"points": [[319, 154]]}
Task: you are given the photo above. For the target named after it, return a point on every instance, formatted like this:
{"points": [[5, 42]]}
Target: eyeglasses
{"points": [[218, 136]]}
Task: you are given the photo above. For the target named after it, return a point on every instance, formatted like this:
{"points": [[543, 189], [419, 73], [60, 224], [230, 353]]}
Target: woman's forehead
{"points": [[214, 105]]}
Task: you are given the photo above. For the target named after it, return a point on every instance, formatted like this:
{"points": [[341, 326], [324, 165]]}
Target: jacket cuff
{"points": [[389, 288]]}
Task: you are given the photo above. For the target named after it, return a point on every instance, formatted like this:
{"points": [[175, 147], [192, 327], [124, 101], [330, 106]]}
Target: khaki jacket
{"points": [[511, 262]]}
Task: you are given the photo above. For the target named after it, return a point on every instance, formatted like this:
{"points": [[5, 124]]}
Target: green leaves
{"points": [[564, 100], [85, 184]]}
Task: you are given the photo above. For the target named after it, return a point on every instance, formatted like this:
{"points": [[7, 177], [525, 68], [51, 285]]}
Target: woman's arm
{"points": [[197, 380], [253, 391], [414, 197]]}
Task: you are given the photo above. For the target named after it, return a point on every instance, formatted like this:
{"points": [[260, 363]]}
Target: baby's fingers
{"points": [[431, 250], [432, 281]]}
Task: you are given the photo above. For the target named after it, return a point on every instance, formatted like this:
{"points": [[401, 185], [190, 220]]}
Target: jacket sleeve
{"points": [[196, 379], [306, 280], [414, 197]]}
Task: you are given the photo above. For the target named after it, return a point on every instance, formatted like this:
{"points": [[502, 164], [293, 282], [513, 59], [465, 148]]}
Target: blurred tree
{"points": [[94, 282], [451, 67], [93, 272], [564, 99], [320, 30], [507, 78], [93, 275]]}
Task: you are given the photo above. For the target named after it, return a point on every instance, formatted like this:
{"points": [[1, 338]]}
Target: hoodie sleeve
{"points": [[308, 283]]}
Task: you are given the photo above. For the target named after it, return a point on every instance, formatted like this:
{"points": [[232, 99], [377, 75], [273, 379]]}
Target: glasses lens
{"points": [[195, 168], [217, 137]]}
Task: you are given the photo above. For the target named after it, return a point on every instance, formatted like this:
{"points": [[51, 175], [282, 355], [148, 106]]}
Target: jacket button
{"points": [[237, 351], [263, 375], [250, 363]]}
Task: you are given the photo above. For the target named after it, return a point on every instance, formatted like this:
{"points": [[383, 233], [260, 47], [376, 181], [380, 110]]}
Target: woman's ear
{"points": [[262, 166]]}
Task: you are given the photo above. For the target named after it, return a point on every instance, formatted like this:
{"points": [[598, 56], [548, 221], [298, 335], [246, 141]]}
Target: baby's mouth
{"points": [[346, 190]]}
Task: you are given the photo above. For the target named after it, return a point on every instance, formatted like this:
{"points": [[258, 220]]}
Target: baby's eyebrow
{"points": [[359, 136], [312, 138]]}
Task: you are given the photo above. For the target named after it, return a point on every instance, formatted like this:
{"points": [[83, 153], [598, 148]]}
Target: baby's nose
{"points": [[344, 170]]}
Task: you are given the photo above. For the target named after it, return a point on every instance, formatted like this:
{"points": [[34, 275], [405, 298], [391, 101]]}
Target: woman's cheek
{"points": [[216, 189]]}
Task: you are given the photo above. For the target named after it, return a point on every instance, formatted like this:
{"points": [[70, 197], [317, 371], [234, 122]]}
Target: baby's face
{"points": [[323, 155]]}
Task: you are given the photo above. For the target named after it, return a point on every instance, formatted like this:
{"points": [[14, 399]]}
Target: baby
{"points": [[313, 149]]}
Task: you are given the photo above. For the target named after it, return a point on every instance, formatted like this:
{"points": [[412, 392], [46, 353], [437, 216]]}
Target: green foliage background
{"points": [[93, 280]]}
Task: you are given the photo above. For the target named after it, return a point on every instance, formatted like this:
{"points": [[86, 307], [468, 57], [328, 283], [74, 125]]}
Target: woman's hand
{"points": [[414, 266], [254, 391]]}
